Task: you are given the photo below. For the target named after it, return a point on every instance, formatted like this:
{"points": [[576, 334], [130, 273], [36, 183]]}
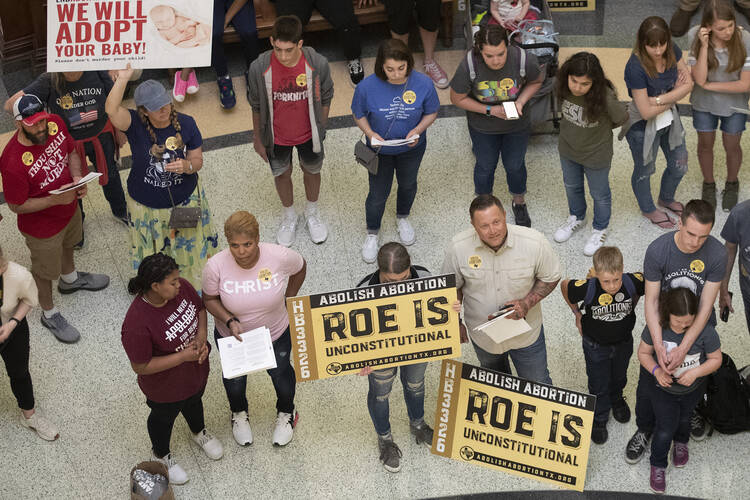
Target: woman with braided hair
{"points": [[167, 155]]}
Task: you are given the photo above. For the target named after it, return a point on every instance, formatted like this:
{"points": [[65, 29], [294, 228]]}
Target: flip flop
{"points": [[671, 207], [665, 223]]}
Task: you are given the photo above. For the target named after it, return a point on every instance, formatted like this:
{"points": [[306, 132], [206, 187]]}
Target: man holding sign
{"points": [[39, 159], [496, 265], [394, 264]]}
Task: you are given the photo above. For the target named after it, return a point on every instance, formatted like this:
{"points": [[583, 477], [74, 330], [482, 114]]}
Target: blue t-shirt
{"points": [[382, 102], [148, 181], [637, 78]]}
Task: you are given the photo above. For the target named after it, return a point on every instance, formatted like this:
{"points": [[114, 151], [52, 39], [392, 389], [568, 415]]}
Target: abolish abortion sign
{"points": [[85, 35], [512, 424], [390, 324]]}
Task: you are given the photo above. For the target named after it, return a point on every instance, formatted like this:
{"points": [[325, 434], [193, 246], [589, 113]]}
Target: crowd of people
{"points": [[181, 276]]}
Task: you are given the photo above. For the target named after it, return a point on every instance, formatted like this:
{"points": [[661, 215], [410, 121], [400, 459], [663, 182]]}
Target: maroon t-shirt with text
{"points": [[149, 331], [291, 114]]}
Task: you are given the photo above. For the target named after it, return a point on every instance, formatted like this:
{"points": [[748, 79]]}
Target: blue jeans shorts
{"points": [[704, 121]]}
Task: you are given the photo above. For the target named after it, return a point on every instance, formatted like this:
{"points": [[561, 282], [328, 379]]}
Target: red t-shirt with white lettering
{"points": [[34, 171], [149, 331], [291, 115]]}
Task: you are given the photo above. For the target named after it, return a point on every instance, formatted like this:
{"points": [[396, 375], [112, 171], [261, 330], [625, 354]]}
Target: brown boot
{"points": [[680, 22]]}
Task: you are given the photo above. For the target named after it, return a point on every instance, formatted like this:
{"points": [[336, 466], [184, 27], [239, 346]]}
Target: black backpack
{"points": [[726, 404], [627, 283]]}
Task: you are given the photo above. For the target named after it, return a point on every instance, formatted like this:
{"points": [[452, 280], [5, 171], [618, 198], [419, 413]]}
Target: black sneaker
{"points": [[356, 71], [698, 427], [637, 447], [423, 434], [226, 92], [521, 214], [599, 433], [390, 455], [621, 411]]}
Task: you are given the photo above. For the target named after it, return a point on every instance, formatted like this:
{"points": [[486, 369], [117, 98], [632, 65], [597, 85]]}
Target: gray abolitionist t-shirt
{"points": [[493, 87], [706, 343], [719, 103]]}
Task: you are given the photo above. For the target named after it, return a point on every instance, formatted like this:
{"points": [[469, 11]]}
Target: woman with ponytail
{"points": [[720, 63], [167, 156], [164, 335]]}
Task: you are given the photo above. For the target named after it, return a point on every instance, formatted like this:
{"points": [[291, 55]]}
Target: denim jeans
{"points": [[673, 412], [406, 167], [677, 164], [645, 419], [283, 378], [244, 25], [381, 383], [530, 361], [113, 191], [607, 371], [487, 150], [161, 420], [598, 179]]}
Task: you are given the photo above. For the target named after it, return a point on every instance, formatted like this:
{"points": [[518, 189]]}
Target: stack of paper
{"points": [[395, 142], [254, 353], [501, 328], [84, 180]]}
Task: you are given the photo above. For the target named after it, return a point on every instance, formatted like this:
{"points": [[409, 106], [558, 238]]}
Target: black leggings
{"points": [[162, 417], [15, 354], [400, 13]]}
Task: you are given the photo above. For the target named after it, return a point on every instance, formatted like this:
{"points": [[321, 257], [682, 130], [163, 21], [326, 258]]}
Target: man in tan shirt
{"points": [[495, 264]]}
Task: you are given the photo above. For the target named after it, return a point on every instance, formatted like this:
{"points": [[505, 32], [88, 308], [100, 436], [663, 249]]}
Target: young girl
{"points": [[508, 13], [590, 111], [675, 395], [656, 77], [721, 69]]}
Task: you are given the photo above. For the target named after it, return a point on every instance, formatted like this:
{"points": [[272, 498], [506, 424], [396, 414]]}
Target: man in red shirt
{"points": [[290, 90], [38, 159]]}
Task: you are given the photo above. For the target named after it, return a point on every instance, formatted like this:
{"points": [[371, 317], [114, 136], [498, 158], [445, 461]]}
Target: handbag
{"points": [[184, 217], [364, 154]]}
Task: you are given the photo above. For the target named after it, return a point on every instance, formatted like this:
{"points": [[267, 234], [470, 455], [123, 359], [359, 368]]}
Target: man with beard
{"points": [[40, 158]]}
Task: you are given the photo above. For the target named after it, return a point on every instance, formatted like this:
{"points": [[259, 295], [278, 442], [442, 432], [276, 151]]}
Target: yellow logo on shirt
{"points": [[66, 102], [580, 282], [697, 266], [639, 276], [171, 143], [265, 275], [605, 299], [409, 97], [301, 80], [475, 261], [52, 128], [27, 158]]}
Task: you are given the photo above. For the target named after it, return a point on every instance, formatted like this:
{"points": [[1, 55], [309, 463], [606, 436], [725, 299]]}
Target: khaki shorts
{"points": [[46, 253]]}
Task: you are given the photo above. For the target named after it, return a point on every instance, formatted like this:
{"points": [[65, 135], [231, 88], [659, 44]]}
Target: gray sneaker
{"points": [[85, 281], [390, 455], [60, 328]]}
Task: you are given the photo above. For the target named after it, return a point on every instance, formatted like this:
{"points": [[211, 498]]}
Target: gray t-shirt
{"points": [[719, 103], [706, 343], [494, 87], [737, 230]]}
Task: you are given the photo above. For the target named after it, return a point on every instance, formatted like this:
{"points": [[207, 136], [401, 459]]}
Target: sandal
{"points": [[673, 206], [665, 223]]}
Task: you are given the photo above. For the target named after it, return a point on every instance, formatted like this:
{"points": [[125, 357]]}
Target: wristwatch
{"points": [[233, 318], [487, 110]]}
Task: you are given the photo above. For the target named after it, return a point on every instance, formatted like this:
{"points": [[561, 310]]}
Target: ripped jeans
{"points": [[677, 164], [381, 383]]}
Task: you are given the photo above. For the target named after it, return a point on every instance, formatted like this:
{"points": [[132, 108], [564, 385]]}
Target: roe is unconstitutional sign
{"points": [[514, 425], [390, 324], [87, 35]]}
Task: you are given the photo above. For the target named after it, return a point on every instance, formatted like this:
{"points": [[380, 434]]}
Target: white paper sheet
{"points": [[511, 112], [254, 353], [84, 180], [394, 142], [501, 328], [664, 119]]}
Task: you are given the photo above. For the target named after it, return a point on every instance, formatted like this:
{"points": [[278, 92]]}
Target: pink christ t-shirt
{"points": [[255, 296]]}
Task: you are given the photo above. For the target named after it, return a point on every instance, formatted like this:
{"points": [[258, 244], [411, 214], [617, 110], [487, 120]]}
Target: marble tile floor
{"points": [[89, 390]]}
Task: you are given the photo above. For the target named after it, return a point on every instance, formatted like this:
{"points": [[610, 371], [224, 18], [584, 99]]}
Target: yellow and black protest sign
{"points": [[390, 324], [571, 5], [512, 424]]}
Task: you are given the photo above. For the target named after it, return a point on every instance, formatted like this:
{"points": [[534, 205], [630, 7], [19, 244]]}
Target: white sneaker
{"points": [[43, 427], [316, 227], [405, 231], [370, 248], [210, 444], [287, 231], [177, 474], [241, 428], [285, 424], [595, 242], [565, 231]]}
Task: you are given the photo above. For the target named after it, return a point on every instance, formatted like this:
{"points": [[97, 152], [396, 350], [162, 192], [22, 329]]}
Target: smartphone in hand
{"points": [[725, 310]]}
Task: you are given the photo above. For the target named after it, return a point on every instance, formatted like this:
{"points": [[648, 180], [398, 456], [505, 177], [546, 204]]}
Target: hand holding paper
{"points": [[394, 142], [254, 353], [76, 185]]}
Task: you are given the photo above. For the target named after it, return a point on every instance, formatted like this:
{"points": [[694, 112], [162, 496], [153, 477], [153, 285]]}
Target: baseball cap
{"points": [[151, 95], [28, 109]]}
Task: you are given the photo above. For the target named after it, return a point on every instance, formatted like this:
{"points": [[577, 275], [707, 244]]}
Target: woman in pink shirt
{"points": [[245, 287]]}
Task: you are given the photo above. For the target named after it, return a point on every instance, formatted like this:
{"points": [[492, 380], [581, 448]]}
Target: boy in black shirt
{"points": [[605, 320]]}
